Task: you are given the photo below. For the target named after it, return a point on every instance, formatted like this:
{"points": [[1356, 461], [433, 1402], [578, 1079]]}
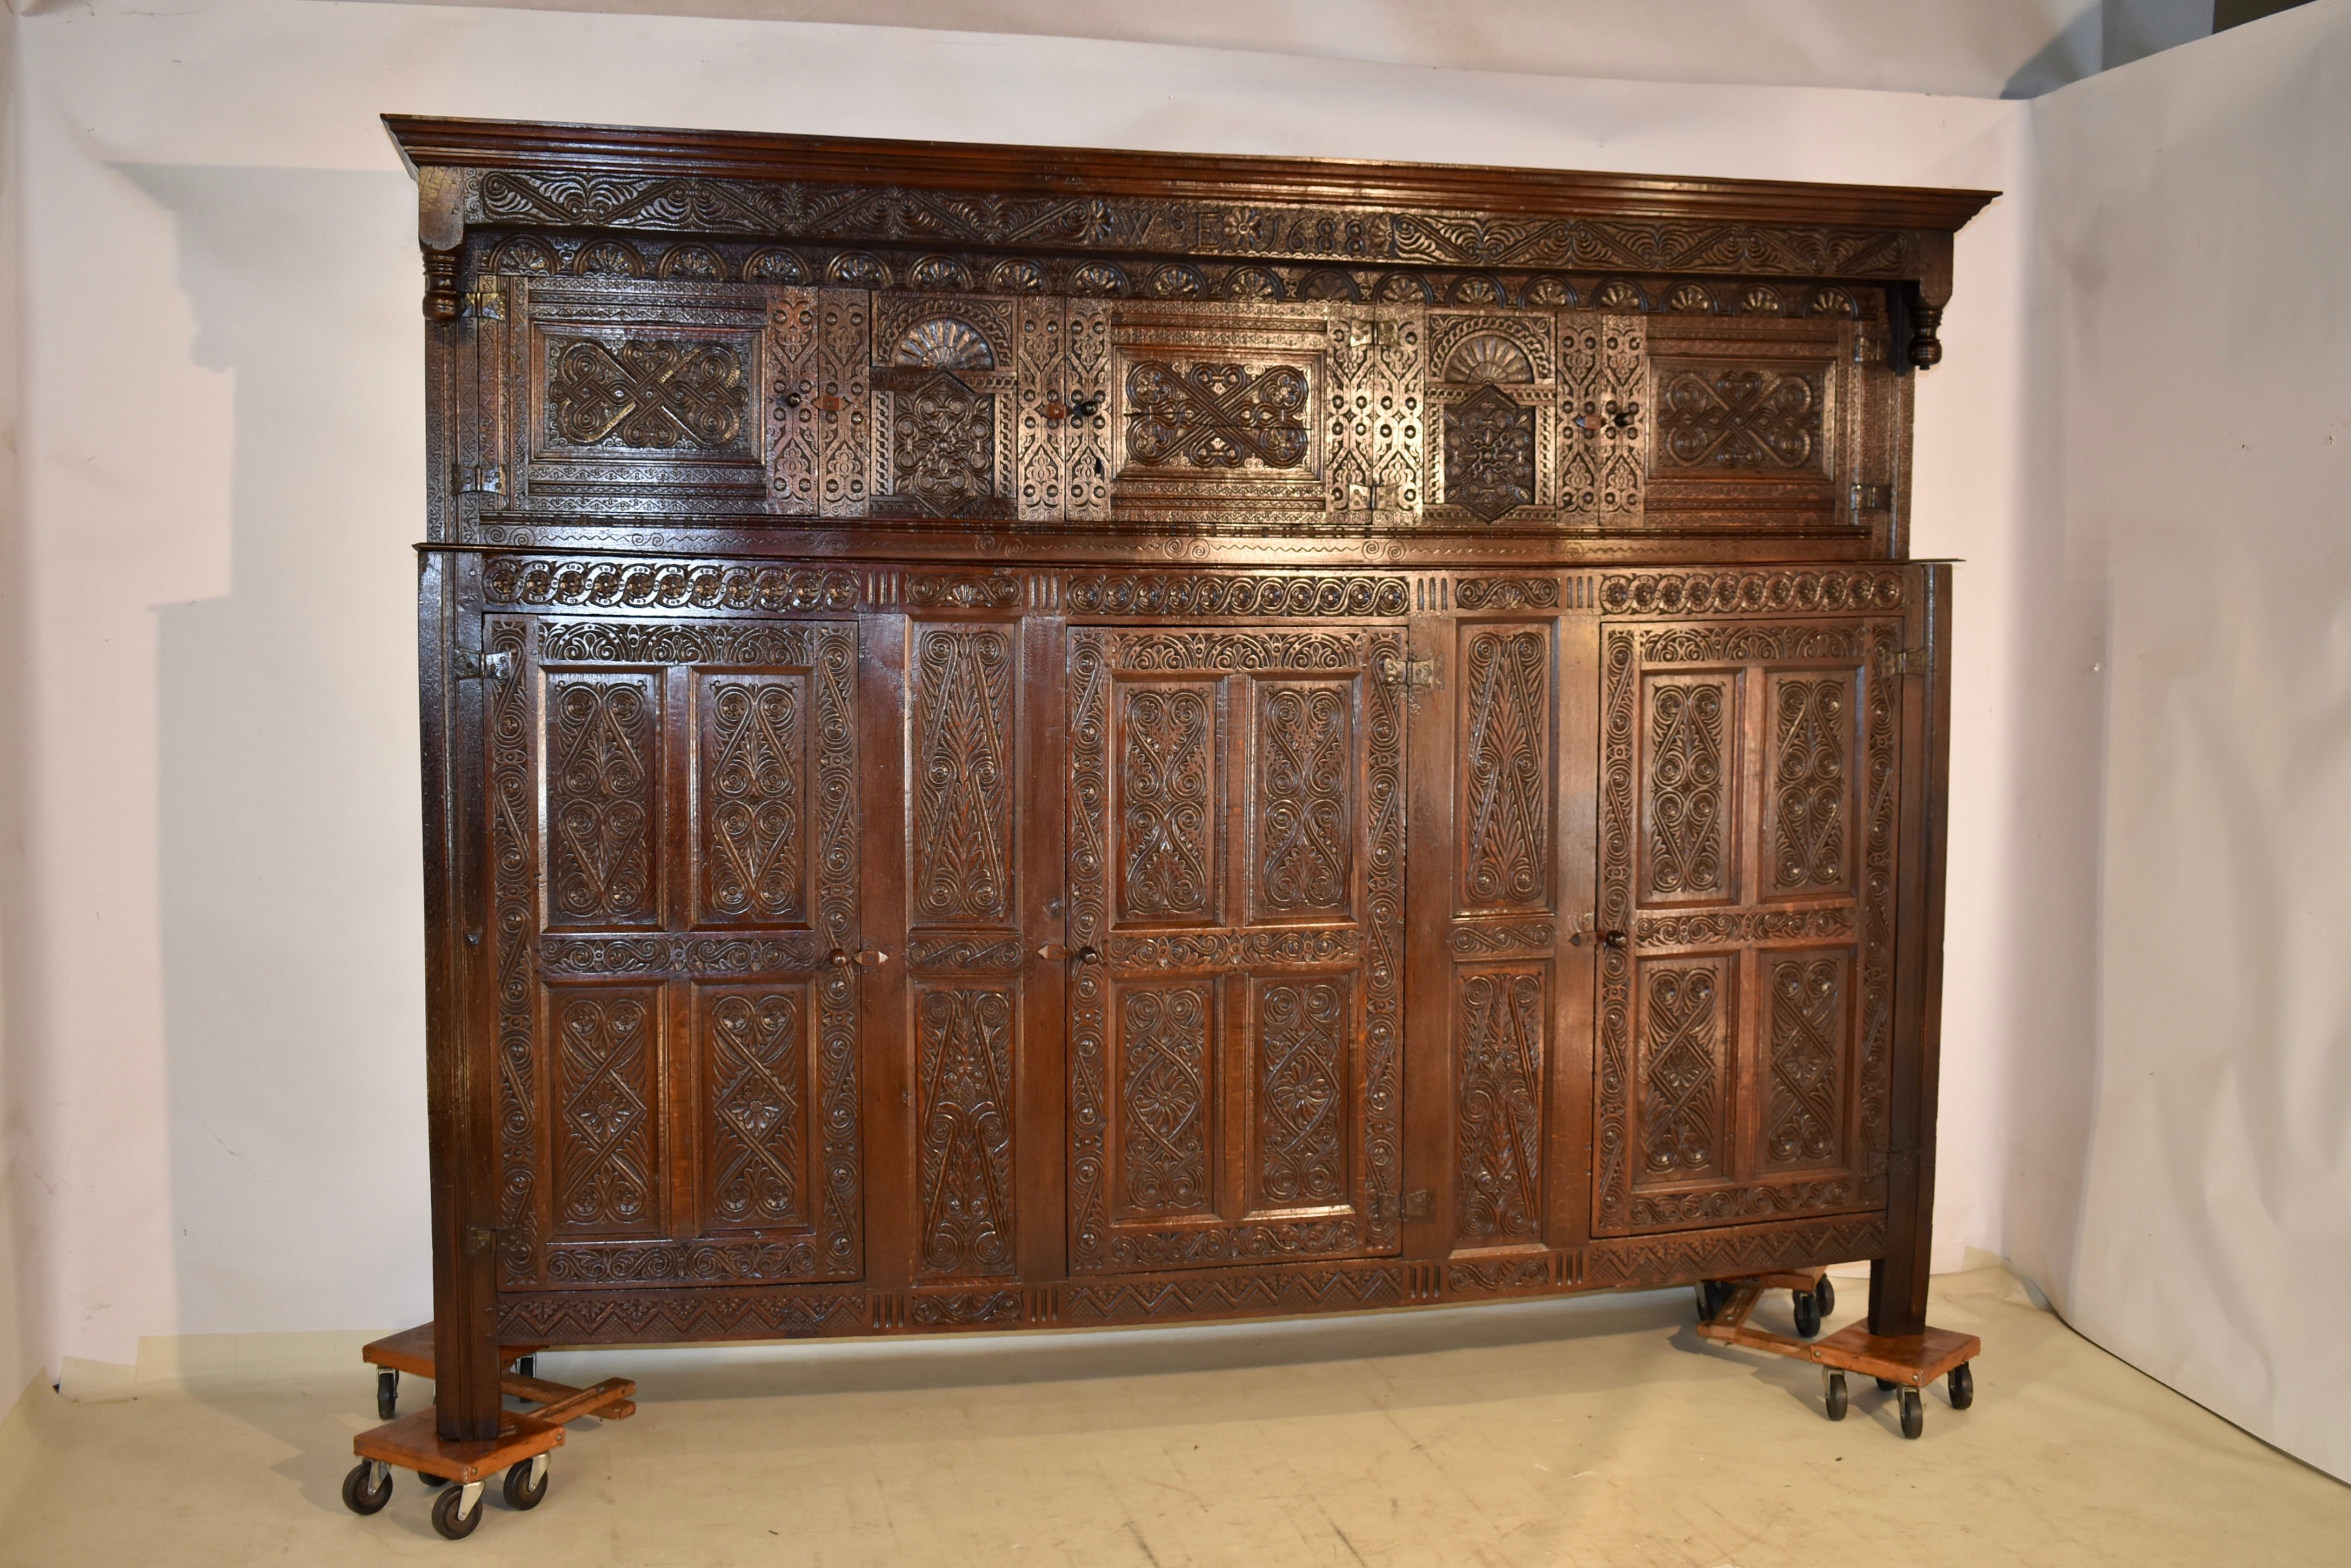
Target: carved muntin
{"points": [[1057, 761]]}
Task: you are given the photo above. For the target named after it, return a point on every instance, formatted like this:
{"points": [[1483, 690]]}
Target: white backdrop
{"points": [[2195, 218]]}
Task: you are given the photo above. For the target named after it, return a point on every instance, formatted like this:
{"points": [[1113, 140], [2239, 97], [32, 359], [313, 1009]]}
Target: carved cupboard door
{"points": [[1748, 826], [1236, 885], [673, 807]]}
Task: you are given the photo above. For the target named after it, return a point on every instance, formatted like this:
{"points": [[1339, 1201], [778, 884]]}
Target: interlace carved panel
{"points": [[965, 1116], [1489, 453], [1684, 1071], [601, 804], [1216, 415], [755, 1048], [640, 392], [1302, 1096], [1164, 1097], [1166, 799], [1300, 820], [1740, 417], [1803, 1117], [1689, 793], [755, 798], [604, 1136], [1812, 736]]}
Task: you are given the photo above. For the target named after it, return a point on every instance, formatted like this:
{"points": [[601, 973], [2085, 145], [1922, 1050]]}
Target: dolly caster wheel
{"points": [[1832, 1394], [1914, 1413], [432, 1480], [525, 1483], [367, 1488], [1713, 1295], [1824, 1297], [1808, 1314], [457, 1510], [387, 1393], [1884, 1385], [527, 1367], [1962, 1385]]}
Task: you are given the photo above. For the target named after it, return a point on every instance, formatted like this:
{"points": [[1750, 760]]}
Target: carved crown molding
{"points": [[516, 173]]}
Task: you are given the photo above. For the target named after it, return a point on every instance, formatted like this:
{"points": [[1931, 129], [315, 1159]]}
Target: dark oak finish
{"points": [[1028, 736]]}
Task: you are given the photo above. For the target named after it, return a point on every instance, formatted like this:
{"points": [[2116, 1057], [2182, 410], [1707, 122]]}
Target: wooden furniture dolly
{"points": [[1035, 738], [525, 1438], [1907, 1362]]}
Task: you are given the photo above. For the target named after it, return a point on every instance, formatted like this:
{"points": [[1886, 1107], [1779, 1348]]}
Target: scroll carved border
{"points": [[1191, 593], [526, 580]]}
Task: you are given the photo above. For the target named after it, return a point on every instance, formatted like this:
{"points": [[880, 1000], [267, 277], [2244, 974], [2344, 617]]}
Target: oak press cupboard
{"points": [[1021, 737]]}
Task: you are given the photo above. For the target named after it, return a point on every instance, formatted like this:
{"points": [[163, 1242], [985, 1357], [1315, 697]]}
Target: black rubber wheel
{"points": [[1808, 1314], [1884, 1385], [1963, 1385], [520, 1494], [1824, 1297], [526, 1367], [446, 1518], [432, 1480], [1713, 1295], [387, 1393], [359, 1497], [1914, 1413], [1835, 1399]]}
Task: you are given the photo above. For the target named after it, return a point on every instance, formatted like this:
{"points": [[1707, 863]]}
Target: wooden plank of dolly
{"points": [[414, 1442]]}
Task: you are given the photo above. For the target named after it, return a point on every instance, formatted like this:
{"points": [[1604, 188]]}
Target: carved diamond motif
{"points": [[1489, 453], [943, 445]]}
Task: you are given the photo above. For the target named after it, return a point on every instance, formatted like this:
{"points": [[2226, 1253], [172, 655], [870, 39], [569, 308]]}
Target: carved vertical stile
{"points": [[794, 367], [1376, 468], [1041, 370], [1085, 438], [514, 862]]}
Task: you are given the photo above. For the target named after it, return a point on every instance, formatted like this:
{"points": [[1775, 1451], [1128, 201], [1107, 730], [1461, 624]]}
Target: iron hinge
{"points": [[1872, 497], [1412, 674], [481, 479], [496, 665], [487, 302], [481, 1241], [1897, 662]]}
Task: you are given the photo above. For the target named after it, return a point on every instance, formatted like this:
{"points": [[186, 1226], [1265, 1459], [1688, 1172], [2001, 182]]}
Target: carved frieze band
{"points": [[1735, 592], [1741, 926], [1238, 948], [585, 957], [964, 955], [1486, 939], [671, 585], [1189, 593], [898, 215]]}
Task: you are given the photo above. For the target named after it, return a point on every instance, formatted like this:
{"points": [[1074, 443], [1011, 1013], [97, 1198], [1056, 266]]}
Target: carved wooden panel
{"points": [[1300, 820], [1812, 736], [1501, 1023], [743, 1128], [602, 810], [759, 1044], [1809, 1050], [819, 412], [1165, 1081], [1504, 852], [1234, 1083], [606, 1056], [1689, 769], [1750, 768], [964, 1040], [641, 395], [1684, 1076], [1215, 413], [1170, 800], [1753, 422], [963, 837], [944, 381], [755, 805]]}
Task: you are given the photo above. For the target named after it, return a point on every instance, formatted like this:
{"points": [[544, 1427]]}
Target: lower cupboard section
{"points": [[804, 1311]]}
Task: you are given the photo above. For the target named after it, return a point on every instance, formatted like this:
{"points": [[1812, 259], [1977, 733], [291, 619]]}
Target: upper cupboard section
{"points": [[1756, 409]]}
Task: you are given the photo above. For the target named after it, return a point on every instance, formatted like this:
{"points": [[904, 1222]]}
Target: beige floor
{"points": [[1599, 1431]]}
